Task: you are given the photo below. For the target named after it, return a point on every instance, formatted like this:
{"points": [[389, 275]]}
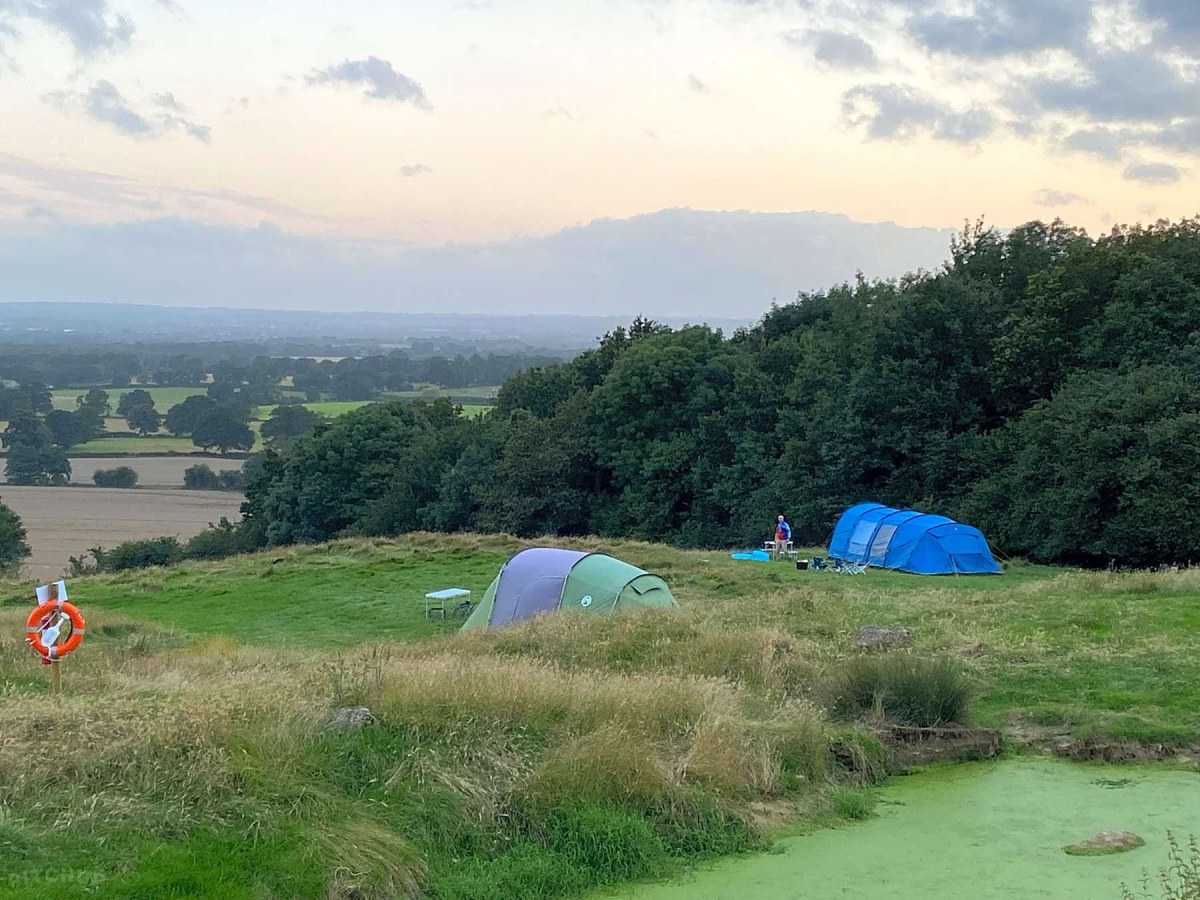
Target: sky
{"points": [[146, 143]]}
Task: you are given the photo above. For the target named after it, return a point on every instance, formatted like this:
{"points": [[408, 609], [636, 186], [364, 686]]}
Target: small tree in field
{"points": [[221, 428], [13, 548], [143, 419], [132, 400]]}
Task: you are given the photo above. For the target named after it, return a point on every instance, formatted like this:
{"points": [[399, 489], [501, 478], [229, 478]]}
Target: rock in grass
{"points": [[349, 718], [878, 637], [1104, 843]]}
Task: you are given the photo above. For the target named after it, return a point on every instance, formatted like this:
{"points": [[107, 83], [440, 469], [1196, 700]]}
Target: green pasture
{"points": [[164, 397]]}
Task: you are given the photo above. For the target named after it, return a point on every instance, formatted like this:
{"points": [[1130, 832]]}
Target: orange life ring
{"points": [[40, 619]]}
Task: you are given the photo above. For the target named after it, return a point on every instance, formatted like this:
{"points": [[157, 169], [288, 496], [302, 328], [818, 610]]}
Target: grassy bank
{"points": [[189, 756]]}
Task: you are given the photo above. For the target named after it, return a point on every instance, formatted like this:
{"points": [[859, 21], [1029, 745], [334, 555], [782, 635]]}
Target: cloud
{"points": [[1132, 86], [728, 265], [697, 85], [382, 82], [1153, 173], [104, 103], [900, 112], [89, 25], [1180, 21], [834, 48], [415, 169], [557, 112], [1052, 198], [166, 100], [997, 28], [91, 194]]}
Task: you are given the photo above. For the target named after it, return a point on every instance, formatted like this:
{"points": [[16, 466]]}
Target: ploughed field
{"points": [[153, 471], [62, 522], [193, 754]]}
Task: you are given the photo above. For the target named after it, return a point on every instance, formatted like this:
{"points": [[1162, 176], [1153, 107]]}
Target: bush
{"points": [[218, 541], [200, 478], [230, 480], [135, 555], [120, 477], [902, 689]]}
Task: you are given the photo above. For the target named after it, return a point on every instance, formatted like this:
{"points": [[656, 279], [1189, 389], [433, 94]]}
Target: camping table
{"points": [[435, 601]]}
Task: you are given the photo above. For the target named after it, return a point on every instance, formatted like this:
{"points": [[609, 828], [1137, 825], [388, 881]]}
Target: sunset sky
{"points": [[391, 124]]}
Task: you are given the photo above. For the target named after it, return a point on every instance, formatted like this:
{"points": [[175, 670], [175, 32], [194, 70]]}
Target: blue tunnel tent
{"points": [[911, 541]]}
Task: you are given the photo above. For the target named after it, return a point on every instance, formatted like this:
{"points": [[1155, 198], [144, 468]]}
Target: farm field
{"points": [[153, 471], [535, 762], [65, 521]]}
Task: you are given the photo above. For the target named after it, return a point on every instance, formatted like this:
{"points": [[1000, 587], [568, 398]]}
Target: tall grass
{"points": [[901, 689], [483, 775]]}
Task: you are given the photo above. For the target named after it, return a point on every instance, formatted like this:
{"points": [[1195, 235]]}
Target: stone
{"points": [[349, 718], [878, 637], [1105, 843]]}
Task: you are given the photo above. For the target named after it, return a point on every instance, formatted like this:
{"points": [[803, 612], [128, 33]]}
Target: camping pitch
{"points": [[911, 541], [546, 579]]}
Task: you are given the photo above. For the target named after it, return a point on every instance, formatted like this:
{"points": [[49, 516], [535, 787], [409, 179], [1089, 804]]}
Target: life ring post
{"points": [[54, 630]]}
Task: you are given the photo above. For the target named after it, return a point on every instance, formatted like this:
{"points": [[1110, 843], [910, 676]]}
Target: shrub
{"points": [[200, 478], [138, 554], [230, 480], [120, 477], [903, 689], [217, 542]]}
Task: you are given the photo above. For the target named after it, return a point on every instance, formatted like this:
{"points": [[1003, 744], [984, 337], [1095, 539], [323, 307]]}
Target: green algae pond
{"points": [[979, 830]]}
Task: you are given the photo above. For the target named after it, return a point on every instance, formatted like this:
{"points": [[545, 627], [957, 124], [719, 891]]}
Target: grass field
{"points": [[148, 445], [164, 397], [190, 759]]}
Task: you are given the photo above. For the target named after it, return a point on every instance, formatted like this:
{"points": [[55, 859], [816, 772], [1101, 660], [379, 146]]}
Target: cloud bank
{"points": [[674, 262]]}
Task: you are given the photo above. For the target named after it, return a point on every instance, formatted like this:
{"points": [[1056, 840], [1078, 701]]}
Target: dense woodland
{"points": [[1042, 386]]}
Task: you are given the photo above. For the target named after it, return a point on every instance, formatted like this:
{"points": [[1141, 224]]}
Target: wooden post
{"points": [[55, 679]]}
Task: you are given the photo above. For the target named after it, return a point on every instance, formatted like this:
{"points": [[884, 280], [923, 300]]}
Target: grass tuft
{"points": [[899, 688]]}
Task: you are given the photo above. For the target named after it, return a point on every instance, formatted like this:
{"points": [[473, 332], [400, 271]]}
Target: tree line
{"points": [[1043, 385]]}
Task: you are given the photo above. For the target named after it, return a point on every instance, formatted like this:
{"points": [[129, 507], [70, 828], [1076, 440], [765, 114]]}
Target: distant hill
{"points": [[677, 264]]}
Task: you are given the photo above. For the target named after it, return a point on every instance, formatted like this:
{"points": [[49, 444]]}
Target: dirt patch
{"points": [[912, 747]]}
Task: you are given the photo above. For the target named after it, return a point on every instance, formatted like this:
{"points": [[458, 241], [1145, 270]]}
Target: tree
{"points": [[182, 418], [32, 456], [13, 546], [67, 428], [95, 399], [221, 428], [143, 419], [287, 423], [133, 399]]}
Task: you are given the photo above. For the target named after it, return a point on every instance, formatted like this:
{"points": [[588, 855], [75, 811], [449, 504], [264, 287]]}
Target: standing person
{"points": [[783, 534]]}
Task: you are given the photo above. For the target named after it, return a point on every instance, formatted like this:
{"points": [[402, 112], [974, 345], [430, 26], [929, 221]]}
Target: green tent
{"points": [[546, 579]]}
